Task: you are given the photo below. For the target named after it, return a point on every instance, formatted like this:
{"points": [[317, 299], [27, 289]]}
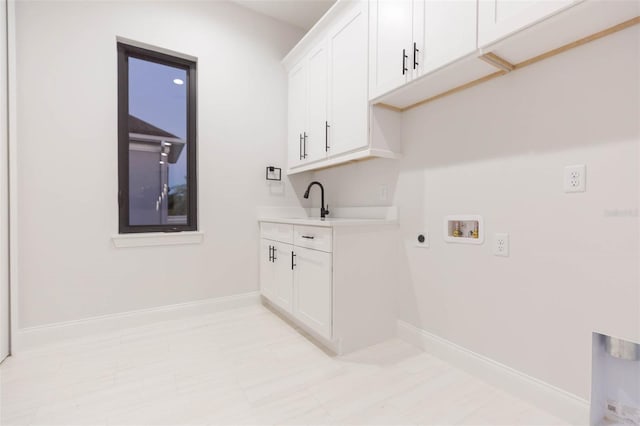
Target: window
{"points": [[156, 141]]}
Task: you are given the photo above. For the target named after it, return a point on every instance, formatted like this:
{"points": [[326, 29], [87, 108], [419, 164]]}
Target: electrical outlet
{"points": [[501, 245], [575, 178], [422, 240]]}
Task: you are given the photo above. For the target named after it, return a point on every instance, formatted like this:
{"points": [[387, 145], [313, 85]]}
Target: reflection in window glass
{"points": [[158, 145]]}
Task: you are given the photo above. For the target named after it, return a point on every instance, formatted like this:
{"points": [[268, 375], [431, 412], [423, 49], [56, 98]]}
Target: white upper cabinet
{"points": [[330, 119], [500, 18], [297, 113], [443, 32], [315, 148], [366, 61], [391, 37], [348, 101], [411, 38], [308, 108]]}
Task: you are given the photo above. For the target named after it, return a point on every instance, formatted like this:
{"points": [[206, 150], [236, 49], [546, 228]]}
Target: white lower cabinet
{"points": [[299, 279], [312, 289], [267, 270], [334, 282], [276, 277], [283, 276]]}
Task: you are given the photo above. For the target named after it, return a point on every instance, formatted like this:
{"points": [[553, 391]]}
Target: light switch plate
{"points": [[501, 245], [575, 178]]}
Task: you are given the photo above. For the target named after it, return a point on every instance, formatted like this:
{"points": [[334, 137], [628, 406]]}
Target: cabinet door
{"points": [[500, 18], [348, 101], [283, 285], [390, 33], [443, 32], [267, 271], [316, 103], [297, 112], [312, 277]]}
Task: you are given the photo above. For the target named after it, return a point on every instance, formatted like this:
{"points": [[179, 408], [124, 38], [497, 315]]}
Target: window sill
{"points": [[157, 239]]}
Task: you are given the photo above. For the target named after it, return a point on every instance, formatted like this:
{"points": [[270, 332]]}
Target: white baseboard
{"points": [[556, 401], [34, 337]]}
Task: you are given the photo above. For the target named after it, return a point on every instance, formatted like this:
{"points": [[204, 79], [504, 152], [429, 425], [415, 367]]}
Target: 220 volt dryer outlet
{"points": [[575, 178]]}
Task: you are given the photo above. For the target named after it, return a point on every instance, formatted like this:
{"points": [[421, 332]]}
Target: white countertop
{"points": [[329, 222]]}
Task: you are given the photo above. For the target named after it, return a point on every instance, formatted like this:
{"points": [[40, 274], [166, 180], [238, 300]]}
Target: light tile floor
{"points": [[241, 367]]}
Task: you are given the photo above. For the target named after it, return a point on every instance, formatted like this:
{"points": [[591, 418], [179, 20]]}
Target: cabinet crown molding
{"points": [[315, 34]]}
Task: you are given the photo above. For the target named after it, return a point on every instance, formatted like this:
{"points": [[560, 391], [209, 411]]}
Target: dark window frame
{"points": [[125, 51]]}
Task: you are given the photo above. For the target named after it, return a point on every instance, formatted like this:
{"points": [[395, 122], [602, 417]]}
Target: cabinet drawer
{"points": [[277, 232], [313, 237]]}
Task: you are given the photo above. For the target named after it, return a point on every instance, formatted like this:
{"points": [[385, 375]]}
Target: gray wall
{"points": [[499, 150], [67, 153], [4, 190]]}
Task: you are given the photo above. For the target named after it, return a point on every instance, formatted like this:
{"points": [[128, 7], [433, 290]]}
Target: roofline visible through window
{"points": [[162, 57]]}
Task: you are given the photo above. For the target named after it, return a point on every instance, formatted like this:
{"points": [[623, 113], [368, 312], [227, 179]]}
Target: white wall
{"points": [[4, 193], [67, 154], [499, 150]]}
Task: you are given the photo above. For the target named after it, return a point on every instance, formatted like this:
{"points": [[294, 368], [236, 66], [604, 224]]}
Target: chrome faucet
{"points": [[323, 211]]}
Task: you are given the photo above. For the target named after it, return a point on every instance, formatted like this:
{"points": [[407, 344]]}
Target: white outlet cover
{"points": [[384, 192], [501, 245], [425, 243], [575, 178]]}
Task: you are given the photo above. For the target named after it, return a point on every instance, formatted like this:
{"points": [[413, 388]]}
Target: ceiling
{"points": [[300, 13]]}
